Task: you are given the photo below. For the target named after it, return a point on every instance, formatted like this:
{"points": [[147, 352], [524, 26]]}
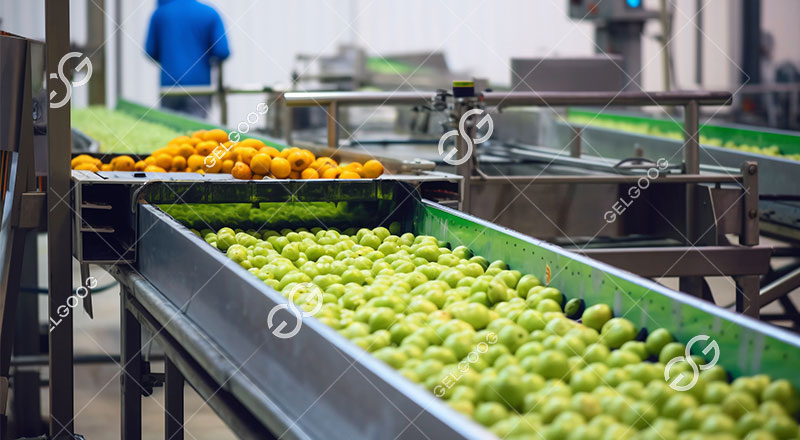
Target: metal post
{"points": [[666, 34], [747, 295], [465, 169], [222, 95], [118, 48], [59, 222], [288, 123], [333, 129], [27, 383], [96, 23], [173, 401], [691, 162], [750, 229], [131, 360]]}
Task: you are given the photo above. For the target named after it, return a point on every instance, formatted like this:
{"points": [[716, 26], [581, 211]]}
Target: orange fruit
{"points": [[255, 143], [260, 163], [179, 140], [272, 151], [140, 165], [216, 135], [246, 154], [88, 166], [241, 171], [81, 158], [205, 148], [186, 150], [212, 164], [347, 174], [150, 160], [321, 170], [155, 168], [172, 149], [164, 160], [200, 172], [280, 167], [229, 155], [299, 160], [331, 173], [257, 177], [122, 163], [372, 169], [354, 167], [106, 167], [287, 151], [227, 166], [294, 175], [195, 162], [193, 141], [323, 161], [309, 173], [178, 163], [199, 134], [309, 155]]}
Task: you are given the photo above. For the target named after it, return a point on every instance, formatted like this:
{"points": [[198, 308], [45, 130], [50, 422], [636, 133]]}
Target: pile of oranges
{"points": [[210, 151]]}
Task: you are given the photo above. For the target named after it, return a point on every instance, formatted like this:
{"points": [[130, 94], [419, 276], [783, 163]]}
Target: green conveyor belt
{"points": [[744, 138], [746, 346]]}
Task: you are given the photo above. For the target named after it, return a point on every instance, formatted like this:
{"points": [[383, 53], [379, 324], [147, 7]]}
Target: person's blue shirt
{"points": [[184, 36]]}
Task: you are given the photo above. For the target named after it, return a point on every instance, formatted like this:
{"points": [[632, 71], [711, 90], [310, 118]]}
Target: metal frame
{"points": [[691, 102], [219, 348]]}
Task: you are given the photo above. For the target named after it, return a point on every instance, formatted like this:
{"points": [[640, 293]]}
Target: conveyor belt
{"points": [[330, 386]]}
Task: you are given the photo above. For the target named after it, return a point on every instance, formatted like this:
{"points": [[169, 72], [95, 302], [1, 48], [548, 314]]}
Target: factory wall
{"points": [[477, 36]]}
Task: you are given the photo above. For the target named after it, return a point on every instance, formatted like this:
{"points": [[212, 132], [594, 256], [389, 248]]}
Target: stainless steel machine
{"points": [[618, 30], [569, 193], [35, 142]]}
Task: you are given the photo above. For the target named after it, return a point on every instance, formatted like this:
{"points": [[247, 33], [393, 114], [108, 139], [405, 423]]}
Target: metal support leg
{"points": [[59, 229], [173, 396], [691, 162], [27, 409], [223, 96], [287, 113], [747, 295], [465, 170], [131, 359], [692, 285], [333, 125], [750, 227]]}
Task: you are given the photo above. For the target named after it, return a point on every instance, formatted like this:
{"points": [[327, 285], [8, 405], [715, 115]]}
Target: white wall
{"points": [[477, 36]]}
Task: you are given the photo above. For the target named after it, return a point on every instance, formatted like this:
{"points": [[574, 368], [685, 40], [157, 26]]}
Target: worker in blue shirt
{"points": [[185, 36]]}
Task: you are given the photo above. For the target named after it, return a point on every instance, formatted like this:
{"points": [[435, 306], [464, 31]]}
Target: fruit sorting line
{"points": [[682, 209], [215, 331]]}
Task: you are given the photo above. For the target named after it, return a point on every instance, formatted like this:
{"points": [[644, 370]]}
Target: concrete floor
{"points": [[97, 393]]}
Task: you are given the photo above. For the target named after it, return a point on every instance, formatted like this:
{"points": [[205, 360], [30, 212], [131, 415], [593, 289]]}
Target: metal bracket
{"points": [[150, 380]]}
